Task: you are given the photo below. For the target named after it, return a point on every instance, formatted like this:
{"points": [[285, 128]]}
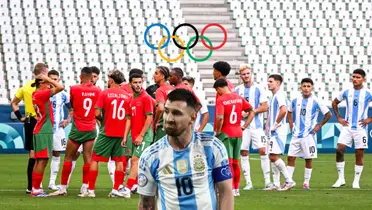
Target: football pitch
{"points": [[321, 196]]}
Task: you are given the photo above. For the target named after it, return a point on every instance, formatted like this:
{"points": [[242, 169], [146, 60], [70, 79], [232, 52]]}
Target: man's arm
{"points": [[251, 115], [342, 121], [204, 122], [219, 123], [325, 119], [226, 197], [98, 114], [64, 123], [281, 115], [147, 202], [126, 131], [290, 120], [15, 106], [146, 125], [158, 113], [262, 108]]}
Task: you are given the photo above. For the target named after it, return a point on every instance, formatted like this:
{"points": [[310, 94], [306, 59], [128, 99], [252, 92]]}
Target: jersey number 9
{"points": [[87, 105]]}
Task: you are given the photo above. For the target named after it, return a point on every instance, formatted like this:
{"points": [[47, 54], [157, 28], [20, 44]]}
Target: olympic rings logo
{"points": [[179, 43]]}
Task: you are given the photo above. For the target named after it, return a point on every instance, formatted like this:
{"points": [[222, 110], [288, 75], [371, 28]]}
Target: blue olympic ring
{"points": [[161, 26]]}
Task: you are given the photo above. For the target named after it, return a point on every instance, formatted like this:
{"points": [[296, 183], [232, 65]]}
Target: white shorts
{"points": [[80, 150], [256, 136], [277, 144], [303, 147], [359, 136], [59, 140]]}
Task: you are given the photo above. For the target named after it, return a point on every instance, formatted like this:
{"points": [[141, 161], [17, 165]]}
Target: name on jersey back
{"points": [[88, 94], [235, 101], [116, 95]]}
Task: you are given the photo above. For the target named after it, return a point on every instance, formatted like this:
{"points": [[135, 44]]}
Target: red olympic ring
{"points": [[224, 38]]}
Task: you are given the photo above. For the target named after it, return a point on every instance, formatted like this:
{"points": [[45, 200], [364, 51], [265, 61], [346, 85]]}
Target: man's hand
{"points": [[316, 129], [124, 142], [23, 119], [342, 121], [275, 126], [138, 140], [244, 114], [365, 122], [242, 127], [64, 123]]}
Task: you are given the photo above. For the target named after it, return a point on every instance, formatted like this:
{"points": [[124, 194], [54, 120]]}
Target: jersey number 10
{"points": [[184, 185]]}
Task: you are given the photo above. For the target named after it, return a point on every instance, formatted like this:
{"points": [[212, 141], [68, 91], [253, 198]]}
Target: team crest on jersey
{"points": [[142, 180], [182, 166], [199, 165]]}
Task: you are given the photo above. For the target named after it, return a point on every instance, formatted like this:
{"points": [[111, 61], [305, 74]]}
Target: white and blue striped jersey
{"points": [[277, 100], [58, 101], [357, 102], [255, 95], [305, 114], [184, 179]]}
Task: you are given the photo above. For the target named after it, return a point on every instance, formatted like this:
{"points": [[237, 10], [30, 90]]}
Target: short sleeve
{"points": [[127, 107], [322, 107], [66, 97], [220, 109], [148, 105], [221, 169], [204, 108], [341, 95], [160, 96], [19, 93], [281, 100], [263, 96], [146, 182], [246, 106], [101, 99], [291, 105]]}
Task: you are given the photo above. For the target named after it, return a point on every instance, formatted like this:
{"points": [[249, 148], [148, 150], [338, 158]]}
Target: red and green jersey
{"points": [[231, 87], [83, 97], [114, 103], [162, 93], [142, 105], [183, 86], [44, 111], [127, 89], [231, 106]]}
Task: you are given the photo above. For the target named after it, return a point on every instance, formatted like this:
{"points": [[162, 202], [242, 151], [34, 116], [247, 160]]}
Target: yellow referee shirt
{"points": [[25, 93]]}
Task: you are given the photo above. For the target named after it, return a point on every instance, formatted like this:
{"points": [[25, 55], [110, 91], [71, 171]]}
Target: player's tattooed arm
{"points": [[290, 120], [342, 121], [98, 114], [146, 203]]}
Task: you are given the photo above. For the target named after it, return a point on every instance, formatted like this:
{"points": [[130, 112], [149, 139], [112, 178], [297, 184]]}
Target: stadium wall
{"points": [[12, 134]]}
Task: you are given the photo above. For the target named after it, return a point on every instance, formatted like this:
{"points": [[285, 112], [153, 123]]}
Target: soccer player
{"points": [[220, 71], [203, 112], [83, 130], [302, 117], [126, 86], [95, 75], [25, 93], [43, 132], [184, 167], [59, 137], [139, 122], [256, 96], [353, 126], [111, 108], [229, 107], [160, 77], [277, 128]]}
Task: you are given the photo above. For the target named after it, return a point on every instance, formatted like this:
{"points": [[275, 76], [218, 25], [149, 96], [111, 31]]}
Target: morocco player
{"points": [[139, 122], [161, 76], [229, 107], [111, 108], [43, 132], [302, 118], [353, 126], [83, 130]]}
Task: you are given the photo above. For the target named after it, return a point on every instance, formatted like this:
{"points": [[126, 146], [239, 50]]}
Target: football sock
{"points": [[236, 174], [232, 171], [281, 166], [36, 180], [119, 178], [66, 171], [54, 168], [290, 170], [276, 175], [307, 175], [340, 169], [130, 183], [111, 169], [30, 168], [72, 170], [92, 179], [86, 168], [265, 166], [358, 173], [246, 168]]}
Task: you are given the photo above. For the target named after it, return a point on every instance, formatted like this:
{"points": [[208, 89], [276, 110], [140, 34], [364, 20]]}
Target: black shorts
{"points": [[29, 130]]}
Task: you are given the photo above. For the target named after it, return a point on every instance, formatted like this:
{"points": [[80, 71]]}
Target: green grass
{"points": [[321, 195]]}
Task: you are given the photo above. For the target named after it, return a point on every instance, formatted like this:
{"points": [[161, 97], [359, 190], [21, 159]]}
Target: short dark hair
{"points": [[189, 79], [220, 83], [86, 71], [164, 71], [181, 94], [37, 83], [307, 80], [117, 76], [360, 71], [53, 72], [277, 77], [135, 75], [135, 71], [95, 70], [178, 71], [152, 89], [222, 67], [39, 68]]}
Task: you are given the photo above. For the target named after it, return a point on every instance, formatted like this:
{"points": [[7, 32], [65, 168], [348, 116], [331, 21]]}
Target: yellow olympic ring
{"points": [[168, 59]]}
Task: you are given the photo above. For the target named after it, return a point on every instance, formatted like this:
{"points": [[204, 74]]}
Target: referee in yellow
{"points": [[25, 93]]}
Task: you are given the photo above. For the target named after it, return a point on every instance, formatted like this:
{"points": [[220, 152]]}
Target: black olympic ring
{"points": [[193, 28]]}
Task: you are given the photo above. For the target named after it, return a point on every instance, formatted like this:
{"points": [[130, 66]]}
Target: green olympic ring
{"points": [[199, 59]]}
